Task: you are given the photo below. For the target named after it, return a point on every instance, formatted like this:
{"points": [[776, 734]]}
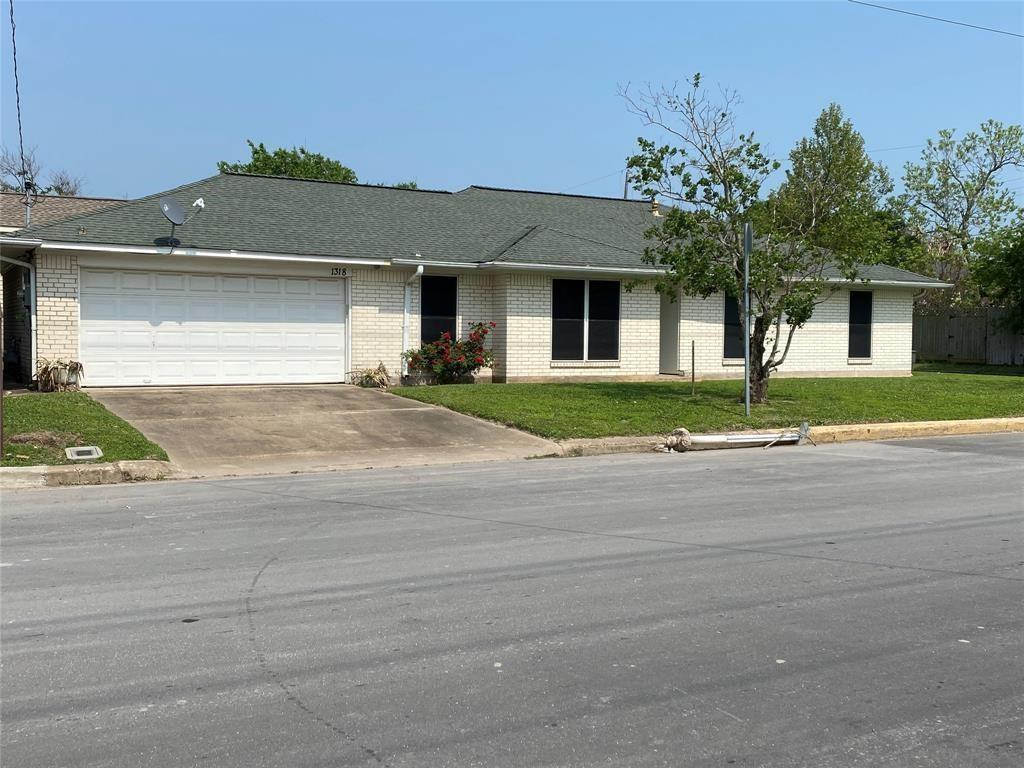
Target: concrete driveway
{"points": [[217, 431]]}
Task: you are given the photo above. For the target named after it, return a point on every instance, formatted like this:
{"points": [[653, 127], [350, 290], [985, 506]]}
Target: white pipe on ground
{"points": [[407, 308]]}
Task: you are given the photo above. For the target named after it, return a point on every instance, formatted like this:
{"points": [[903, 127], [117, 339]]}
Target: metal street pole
{"points": [[748, 244]]}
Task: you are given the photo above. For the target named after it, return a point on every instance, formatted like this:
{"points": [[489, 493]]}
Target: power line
{"points": [[892, 149], [936, 18], [599, 178], [17, 100]]}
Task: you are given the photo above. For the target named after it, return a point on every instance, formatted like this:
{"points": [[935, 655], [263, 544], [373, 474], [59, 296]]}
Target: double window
{"points": [[860, 324], [733, 326], [439, 307], [584, 319]]}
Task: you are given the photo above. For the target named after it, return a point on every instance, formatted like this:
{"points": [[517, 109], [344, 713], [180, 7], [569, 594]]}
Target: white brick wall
{"points": [[524, 349], [520, 303], [820, 347], [57, 306]]}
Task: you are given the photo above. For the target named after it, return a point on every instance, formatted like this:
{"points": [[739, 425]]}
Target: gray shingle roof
{"points": [[272, 214], [48, 208]]}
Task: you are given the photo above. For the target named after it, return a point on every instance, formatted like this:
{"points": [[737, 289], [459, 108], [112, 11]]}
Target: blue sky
{"points": [[137, 97]]}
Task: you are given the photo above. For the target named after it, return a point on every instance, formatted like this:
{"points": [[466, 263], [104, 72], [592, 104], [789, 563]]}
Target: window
{"points": [[439, 302], [860, 324], [733, 329], [584, 319]]}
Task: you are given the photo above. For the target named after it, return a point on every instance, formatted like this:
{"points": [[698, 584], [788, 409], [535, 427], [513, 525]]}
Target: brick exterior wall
{"points": [[820, 347], [520, 303], [523, 350], [57, 306]]}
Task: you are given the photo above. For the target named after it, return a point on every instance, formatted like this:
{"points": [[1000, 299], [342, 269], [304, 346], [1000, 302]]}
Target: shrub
{"points": [[372, 377], [453, 361], [58, 375]]}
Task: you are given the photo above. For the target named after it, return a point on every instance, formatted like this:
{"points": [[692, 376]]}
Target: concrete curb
{"points": [[839, 433], [890, 431], [86, 474]]}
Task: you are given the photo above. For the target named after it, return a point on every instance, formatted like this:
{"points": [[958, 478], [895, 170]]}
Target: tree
{"points": [[822, 216], [297, 162], [955, 197], [60, 182], [405, 185], [999, 270]]}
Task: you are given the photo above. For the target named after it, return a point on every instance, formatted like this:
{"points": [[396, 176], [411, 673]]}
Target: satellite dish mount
{"points": [[174, 213]]}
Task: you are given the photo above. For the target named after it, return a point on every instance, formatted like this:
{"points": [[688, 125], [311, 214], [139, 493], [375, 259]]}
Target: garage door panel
{"points": [[234, 284], [136, 281], [169, 328]]}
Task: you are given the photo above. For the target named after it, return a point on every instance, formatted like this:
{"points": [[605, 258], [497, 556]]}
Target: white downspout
{"points": [[32, 306], [405, 315]]}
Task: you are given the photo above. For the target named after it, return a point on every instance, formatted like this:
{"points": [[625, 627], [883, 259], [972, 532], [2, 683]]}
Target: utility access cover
{"points": [[83, 453]]}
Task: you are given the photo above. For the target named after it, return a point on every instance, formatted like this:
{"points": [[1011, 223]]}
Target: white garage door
{"points": [[167, 328]]}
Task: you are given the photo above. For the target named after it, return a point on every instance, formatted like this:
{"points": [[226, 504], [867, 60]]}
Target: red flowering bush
{"points": [[452, 361]]}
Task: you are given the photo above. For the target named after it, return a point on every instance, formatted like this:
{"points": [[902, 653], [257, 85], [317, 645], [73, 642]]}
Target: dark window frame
{"points": [[585, 356], [732, 331], [451, 322], [858, 333]]}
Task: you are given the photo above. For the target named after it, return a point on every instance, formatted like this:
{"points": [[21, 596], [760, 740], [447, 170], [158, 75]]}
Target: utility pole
{"points": [[748, 245]]}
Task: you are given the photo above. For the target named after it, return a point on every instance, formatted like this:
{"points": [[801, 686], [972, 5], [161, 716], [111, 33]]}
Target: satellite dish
{"points": [[172, 210], [174, 213]]}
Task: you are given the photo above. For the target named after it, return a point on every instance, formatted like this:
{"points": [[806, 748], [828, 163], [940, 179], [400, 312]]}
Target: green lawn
{"points": [[562, 411], [57, 420]]}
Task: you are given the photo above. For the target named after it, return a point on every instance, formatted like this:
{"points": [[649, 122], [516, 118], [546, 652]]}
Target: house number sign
{"points": [[339, 271]]}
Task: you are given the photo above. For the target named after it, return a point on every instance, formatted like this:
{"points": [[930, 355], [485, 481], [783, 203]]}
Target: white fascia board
{"points": [[890, 283], [208, 253], [425, 263], [568, 268], [23, 242]]}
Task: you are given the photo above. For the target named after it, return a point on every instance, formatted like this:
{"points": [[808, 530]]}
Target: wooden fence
{"points": [[971, 336]]}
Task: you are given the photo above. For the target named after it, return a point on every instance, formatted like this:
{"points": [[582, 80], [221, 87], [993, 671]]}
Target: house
{"points": [[46, 209], [284, 280]]}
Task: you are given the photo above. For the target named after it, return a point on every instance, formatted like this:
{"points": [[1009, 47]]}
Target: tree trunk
{"points": [[758, 372]]}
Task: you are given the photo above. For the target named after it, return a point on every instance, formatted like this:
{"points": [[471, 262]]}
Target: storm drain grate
{"points": [[83, 453]]}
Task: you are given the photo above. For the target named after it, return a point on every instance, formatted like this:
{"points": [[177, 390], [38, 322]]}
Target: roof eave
{"points": [[517, 266], [208, 253], [892, 283]]}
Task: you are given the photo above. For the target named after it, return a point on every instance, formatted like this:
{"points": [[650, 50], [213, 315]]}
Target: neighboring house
{"points": [[46, 209], [288, 280]]}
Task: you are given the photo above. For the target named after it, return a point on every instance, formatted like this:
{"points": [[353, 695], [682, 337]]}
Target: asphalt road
{"points": [[854, 605]]}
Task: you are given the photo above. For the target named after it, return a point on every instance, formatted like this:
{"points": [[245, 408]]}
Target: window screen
{"points": [[603, 328], [439, 302], [733, 329], [567, 298], [860, 324]]}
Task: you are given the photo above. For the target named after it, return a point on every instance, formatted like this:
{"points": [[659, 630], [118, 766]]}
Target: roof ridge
{"points": [[591, 240], [332, 181], [552, 194], [529, 230]]}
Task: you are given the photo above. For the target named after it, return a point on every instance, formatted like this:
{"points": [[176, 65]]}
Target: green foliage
{"points": [[563, 411], [77, 417], [824, 214], [297, 162], [452, 362], [405, 185], [956, 197], [999, 270]]}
